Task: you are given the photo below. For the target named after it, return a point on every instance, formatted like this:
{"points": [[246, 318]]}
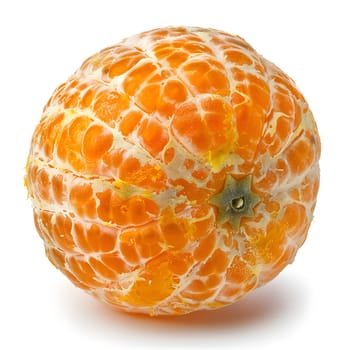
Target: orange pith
{"points": [[135, 160]]}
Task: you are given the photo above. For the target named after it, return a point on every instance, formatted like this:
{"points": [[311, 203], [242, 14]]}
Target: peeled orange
{"points": [[173, 172]]}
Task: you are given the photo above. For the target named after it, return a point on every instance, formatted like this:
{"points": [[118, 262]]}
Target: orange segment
{"points": [[82, 200], [128, 59], [204, 247], [95, 237], [97, 141], [115, 262], [58, 188], [216, 264], [48, 132], [137, 76], [238, 272], [206, 76], [109, 104], [82, 270], [129, 122], [147, 176], [300, 156], [211, 131], [175, 230], [154, 137], [180, 263], [156, 282], [135, 210], [69, 144], [147, 241]]}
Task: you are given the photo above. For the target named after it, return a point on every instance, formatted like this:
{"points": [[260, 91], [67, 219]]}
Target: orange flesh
{"points": [[132, 148]]}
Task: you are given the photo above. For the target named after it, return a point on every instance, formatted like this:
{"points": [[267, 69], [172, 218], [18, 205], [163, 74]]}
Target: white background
{"points": [[42, 43]]}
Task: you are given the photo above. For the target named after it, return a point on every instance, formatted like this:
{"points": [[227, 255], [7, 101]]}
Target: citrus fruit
{"points": [[173, 172]]}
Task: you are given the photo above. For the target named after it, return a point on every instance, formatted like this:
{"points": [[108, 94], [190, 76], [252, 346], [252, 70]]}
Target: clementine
{"points": [[173, 172]]}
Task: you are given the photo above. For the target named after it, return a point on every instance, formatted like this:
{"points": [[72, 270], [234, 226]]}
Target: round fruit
{"points": [[173, 172]]}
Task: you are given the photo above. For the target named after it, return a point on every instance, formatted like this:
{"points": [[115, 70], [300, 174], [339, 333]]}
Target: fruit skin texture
{"points": [[137, 155]]}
